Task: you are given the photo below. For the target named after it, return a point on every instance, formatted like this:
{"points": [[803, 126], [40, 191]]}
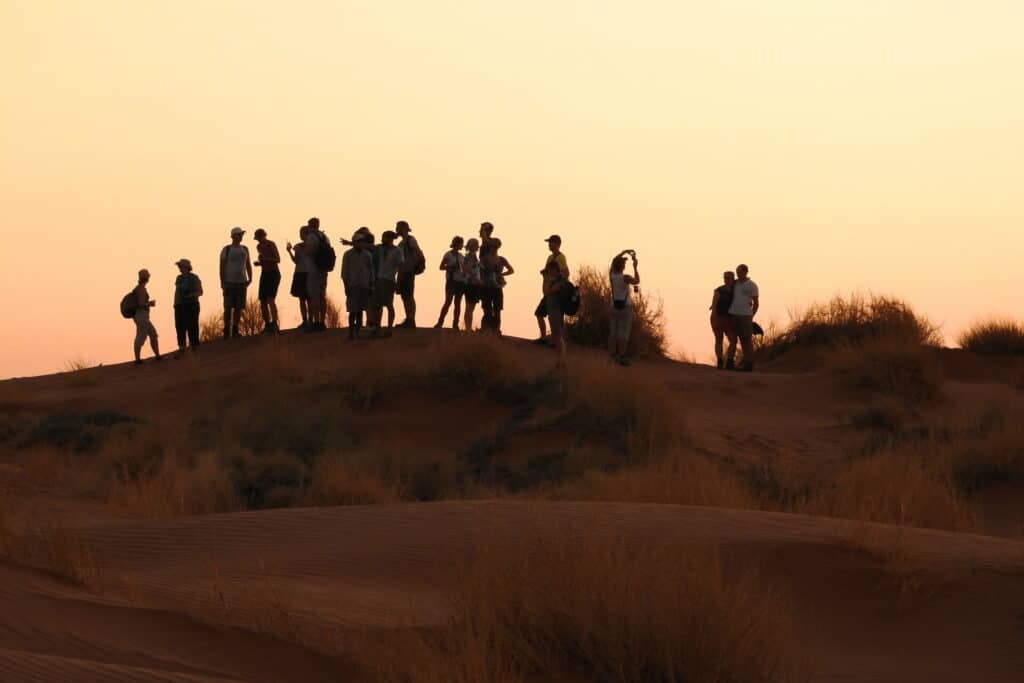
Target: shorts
{"points": [[406, 284], [744, 326], [542, 308], [472, 293], [384, 293], [270, 281], [493, 297], [556, 317], [722, 324], [357, 299], [454, 288], [621, 323], [316, 284], [299, 288], [234, 294]]}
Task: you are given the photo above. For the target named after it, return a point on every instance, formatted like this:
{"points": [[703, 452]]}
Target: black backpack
{"points": [[129, 305], [325, 257], [570, 298]]}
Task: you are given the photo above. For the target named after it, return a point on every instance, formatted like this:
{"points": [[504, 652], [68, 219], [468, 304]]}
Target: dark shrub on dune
{"points": [[590, 326], [994, 337]]}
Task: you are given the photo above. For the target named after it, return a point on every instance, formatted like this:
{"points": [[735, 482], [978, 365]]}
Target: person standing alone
{"points": [[745, 302], [143, 327], [268, 259], [557, 257], [187, 290], [235, 277], [412, 258]]}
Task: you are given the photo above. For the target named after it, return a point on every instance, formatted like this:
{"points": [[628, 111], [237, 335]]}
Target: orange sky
{"points": [[833, 146]]}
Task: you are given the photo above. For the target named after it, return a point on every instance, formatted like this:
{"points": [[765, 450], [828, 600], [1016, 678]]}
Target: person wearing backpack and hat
{"points": [[316, 276], [187, 290], [412, 265], [235, 278], [556, 256], [143, 327]]}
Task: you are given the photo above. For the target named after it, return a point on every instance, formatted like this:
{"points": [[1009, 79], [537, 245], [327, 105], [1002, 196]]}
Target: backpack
{"points": [[325, 257], [570, 298], [129, 305], [419, 261]]}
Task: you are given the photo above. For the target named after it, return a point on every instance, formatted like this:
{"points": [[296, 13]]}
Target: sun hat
{"points": [[237, 231]]}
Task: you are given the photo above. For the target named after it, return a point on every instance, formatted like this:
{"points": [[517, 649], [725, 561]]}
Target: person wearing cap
{"points": [[406, 285], [471, 273], [187, 290], [557, 257], [143, 327], [357, 276], [316, 279], [268, 260], [299, 288], [454, 283], [235, 277], [388, 260]]}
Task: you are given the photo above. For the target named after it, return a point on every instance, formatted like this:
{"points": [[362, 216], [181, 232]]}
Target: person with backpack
{"points": [[454, 283], [300, 288], [357, 276], [541, 313], [187, 290], [494, 268], [745, 302], [235, 278], [413, 263], [268, 260], [555, 289], [621, 317], [721, 322], [140, 314], [387, 261], [471, 273], [321, 261]]}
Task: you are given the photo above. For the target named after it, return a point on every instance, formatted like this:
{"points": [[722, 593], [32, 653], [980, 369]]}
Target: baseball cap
{"points": [[554, 238], [183, 262], [237, 231]]}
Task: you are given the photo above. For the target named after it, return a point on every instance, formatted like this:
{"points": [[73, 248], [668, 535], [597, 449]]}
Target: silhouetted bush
{"points": [[994, 337], [889, 368], [590, 326]]}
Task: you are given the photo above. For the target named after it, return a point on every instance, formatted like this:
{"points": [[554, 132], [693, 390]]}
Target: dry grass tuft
{"points": [[47, 543], [80, 374], [889, 368], [570, 605], [590, 326], [344, 480], [999, 337]]}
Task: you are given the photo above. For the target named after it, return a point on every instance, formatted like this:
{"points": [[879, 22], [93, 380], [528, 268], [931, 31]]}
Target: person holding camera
{"points": [[268, 260], [621, 318]]}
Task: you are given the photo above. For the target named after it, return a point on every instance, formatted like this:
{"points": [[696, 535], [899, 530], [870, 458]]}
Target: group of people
{"points": [[373, 273]]}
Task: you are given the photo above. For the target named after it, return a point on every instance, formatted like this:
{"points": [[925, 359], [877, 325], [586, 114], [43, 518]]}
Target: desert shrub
{"points": [[175, 488], [267, 480], [573, 605], [1001, 337], [889, 368], [250, 323], [346, 480], [590, 326], [851, 321], [333, 315], [73, 431]]}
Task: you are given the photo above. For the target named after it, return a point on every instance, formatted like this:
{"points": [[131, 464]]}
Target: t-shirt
{"points": [[389, 260], [409, 247], [309, 247], [268, 255], [743, 294], [471, 268], [453, 261], [724, 300], [141, 298], [234, 258], [186, 288], [559, 258], [357, 269], [620, 288]]}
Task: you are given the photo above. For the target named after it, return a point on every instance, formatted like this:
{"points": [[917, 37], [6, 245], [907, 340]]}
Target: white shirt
{"points": [[389, 258], [620, 288], [234, 259], [743, 294], [454, 262]]}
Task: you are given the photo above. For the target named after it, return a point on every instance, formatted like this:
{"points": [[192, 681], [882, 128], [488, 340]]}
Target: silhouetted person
{"points": [[143, 327], [486, 237], [745, 302], [357, 276], [300, 287], [554, 290], [454, 283], [388, 260], [411, 255], [268, 260], [621, 319], [557, 257], [721, 322], [493, 270], [316, 279], [187, 290], [235, 277], [471, 272]]}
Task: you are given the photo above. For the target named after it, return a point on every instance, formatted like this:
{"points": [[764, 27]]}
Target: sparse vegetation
{"points": [[889, 369], [999, 337], [590, 326]]}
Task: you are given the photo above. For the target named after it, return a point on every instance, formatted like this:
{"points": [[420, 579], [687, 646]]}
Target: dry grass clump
{"points": [[48, 543], [581, 606], [590, 326], [999, 337], [178, 488], [889, 368], [851, 321]]}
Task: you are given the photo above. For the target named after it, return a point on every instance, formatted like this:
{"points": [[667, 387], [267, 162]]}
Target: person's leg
{"points": [[499, 306], [154, 342], [180, 325], [304, 310], [265, 313], [140, 336], [391, 316], [237, 320], [719, 338], [192, 325], [458, 310], [272, 305], [747, 341], [467, 322], [444, 309], [541, 313]]}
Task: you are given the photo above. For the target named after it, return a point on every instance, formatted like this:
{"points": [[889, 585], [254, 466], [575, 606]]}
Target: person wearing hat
{"points": [[268, 259], [187, 290], [406, 286], [143, 327], [235, 277], [387, 260], [357, 276], [557, 257]]}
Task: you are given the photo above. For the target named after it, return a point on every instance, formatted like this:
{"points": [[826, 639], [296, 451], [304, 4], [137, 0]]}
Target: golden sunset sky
{"points": [[832, 145]]}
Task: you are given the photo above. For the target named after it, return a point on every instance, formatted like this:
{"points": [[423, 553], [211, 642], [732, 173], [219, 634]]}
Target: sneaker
{"points": [[721, 364], [158, 358], [303, 326], [438, 326], [730, 365], [541, 341]]}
